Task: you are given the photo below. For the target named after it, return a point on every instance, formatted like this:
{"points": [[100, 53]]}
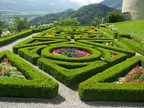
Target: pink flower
{"points": [[4, 60], [112, 55]]}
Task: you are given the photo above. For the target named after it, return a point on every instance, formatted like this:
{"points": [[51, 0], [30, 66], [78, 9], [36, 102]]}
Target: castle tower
{"points": [[133, 9]]}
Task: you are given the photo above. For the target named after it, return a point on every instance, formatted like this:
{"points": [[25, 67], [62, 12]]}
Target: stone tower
{"points": [[133, 9]]}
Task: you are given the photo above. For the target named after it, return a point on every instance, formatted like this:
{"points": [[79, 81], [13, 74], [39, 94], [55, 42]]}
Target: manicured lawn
{"points": [[135, 28]]}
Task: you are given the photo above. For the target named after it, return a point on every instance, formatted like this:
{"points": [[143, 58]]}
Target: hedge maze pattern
{"points": [[95, 74]]}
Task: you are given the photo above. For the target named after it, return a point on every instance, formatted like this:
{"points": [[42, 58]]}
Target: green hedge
{"points": [[102, 87], [37, 85], [30, 42], [72, 76], [31, 54], [138, 47], [121, 35], [109, 32], [127, 51], [111, 61], [6, 40], [36, 30]]}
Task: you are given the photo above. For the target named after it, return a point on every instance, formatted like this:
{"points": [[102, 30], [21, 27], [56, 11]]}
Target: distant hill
{"points": [[37, 5], [117, 4], [85, 14]]}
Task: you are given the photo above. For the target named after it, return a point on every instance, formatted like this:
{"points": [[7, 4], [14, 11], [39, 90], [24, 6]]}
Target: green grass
{"points": [[135, 28]]}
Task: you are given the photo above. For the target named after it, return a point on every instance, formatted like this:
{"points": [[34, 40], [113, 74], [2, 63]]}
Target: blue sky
{"points": [[85, 2]]}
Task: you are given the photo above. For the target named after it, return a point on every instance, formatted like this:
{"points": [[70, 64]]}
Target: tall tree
{"points": [[95, 22], [114, 16], [1, 26], [21, 23], [69, 21]]}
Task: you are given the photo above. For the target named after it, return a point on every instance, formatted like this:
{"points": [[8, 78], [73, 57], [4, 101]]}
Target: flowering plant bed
{"points": [[91, 31], [8, 71], [49, 35], [70, 52], [135, 75]]}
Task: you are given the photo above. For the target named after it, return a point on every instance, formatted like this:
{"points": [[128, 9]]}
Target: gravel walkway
{"points": [[67, 97]]}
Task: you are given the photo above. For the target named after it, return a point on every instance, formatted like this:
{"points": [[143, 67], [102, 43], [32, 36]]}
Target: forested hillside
{"points": [[117, 4], [85, 14]]}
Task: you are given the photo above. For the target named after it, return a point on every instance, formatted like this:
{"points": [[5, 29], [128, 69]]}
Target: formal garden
{"points": [[102, 62]]}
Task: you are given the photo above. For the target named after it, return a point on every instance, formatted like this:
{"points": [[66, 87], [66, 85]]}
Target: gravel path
{"points": [[67, 97]]}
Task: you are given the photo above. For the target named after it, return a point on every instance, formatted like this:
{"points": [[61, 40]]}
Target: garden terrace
{"points": [[94, 62], [103, 53]]}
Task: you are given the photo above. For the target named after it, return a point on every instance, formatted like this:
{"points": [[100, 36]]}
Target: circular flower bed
{"points": [[70, 52]]}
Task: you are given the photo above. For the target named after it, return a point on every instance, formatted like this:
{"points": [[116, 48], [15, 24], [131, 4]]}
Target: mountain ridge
{"points": [[37, 5], [117, 4]]}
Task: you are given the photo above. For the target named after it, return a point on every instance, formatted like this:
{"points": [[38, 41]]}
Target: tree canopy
{"points": [[114, 16], [19, 24], [68, 21], [1, 26]]}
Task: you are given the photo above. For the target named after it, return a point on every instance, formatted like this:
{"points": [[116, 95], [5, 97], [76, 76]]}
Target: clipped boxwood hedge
{"points": [[109, 32], [122, 35], [31, 54], [102, 87], [127, 51], [9, 39], [30, 42], [6, 40], [71, 76], [37, 84], [111, 61], [138, 47]]}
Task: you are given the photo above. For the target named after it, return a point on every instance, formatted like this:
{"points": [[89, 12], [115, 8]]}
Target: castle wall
{"points": [[133, 9]]}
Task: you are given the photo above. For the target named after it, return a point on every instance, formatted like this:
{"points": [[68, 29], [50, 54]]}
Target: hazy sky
{"points": [[85, 2]]}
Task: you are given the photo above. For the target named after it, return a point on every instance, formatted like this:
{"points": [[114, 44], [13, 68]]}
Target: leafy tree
{"points": [[69, 21], [114, 16], [1, 26], [95, 22], [19, 24]]}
